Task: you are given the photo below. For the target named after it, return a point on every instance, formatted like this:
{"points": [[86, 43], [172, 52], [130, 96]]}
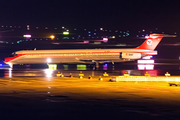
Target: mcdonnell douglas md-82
{"points": [[87, 55]]}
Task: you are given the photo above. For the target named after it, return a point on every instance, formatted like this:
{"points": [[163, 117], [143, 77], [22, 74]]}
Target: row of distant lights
{"points": [[28, 28], [101, 29], [42, 39], [50, 39], [143, 30], [148, 35], [142, 35], [53, 37], [65, 29]]}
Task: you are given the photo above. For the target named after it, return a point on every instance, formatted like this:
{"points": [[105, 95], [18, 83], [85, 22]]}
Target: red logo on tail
{"points": [[152, 42]]}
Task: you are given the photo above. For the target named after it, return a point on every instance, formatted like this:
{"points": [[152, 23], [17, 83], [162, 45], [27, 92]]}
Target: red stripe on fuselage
{"points": [[8, 59]]}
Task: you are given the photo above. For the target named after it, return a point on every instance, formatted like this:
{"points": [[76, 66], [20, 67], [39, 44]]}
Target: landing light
{"points": [[48, 60]]}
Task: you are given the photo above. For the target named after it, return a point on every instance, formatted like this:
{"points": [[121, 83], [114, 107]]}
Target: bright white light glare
{"points": [[146, 37], [48, 72], [10, 72], [145, 61], [48, 60], [66, 33], [105, 39], [52, 36], [10, 65], [27, 36], [101, 28], [145, 67]]}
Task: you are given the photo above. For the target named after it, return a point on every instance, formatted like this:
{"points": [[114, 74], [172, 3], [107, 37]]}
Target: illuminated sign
{"points": [[146, 61], [145, 67], [66, 33], [27, 36], [81, 67]]}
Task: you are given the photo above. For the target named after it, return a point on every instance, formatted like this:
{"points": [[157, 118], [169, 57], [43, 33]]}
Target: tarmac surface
{"points": [[73, 98]]}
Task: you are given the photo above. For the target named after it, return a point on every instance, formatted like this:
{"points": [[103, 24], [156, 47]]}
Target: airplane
{"points": [[87, 55]]}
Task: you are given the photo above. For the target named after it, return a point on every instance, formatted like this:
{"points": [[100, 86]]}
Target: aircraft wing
{"points": [[103, 61]]}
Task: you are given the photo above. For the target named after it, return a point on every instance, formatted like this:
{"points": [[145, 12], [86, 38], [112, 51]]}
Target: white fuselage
{"points": [[70, 56]]}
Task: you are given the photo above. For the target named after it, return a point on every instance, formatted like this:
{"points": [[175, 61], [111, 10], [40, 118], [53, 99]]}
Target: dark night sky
{"points": [[93, 13], [133, 15]]}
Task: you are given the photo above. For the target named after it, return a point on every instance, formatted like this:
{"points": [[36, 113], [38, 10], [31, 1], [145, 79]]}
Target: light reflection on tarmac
{"points": [[68, 98], [52, 73], [40, 94], [112, 70]]}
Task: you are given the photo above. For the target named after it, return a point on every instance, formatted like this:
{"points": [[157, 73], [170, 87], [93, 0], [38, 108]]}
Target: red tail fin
{"points": [[151, 42]]}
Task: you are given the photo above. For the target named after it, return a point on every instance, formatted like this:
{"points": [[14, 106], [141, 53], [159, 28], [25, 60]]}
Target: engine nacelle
{"points": [[131, 55]]}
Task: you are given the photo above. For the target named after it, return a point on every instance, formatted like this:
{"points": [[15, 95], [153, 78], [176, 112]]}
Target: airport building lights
{"points": [[105, 39], [27, 36], [66, 33], [52, 36]]}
